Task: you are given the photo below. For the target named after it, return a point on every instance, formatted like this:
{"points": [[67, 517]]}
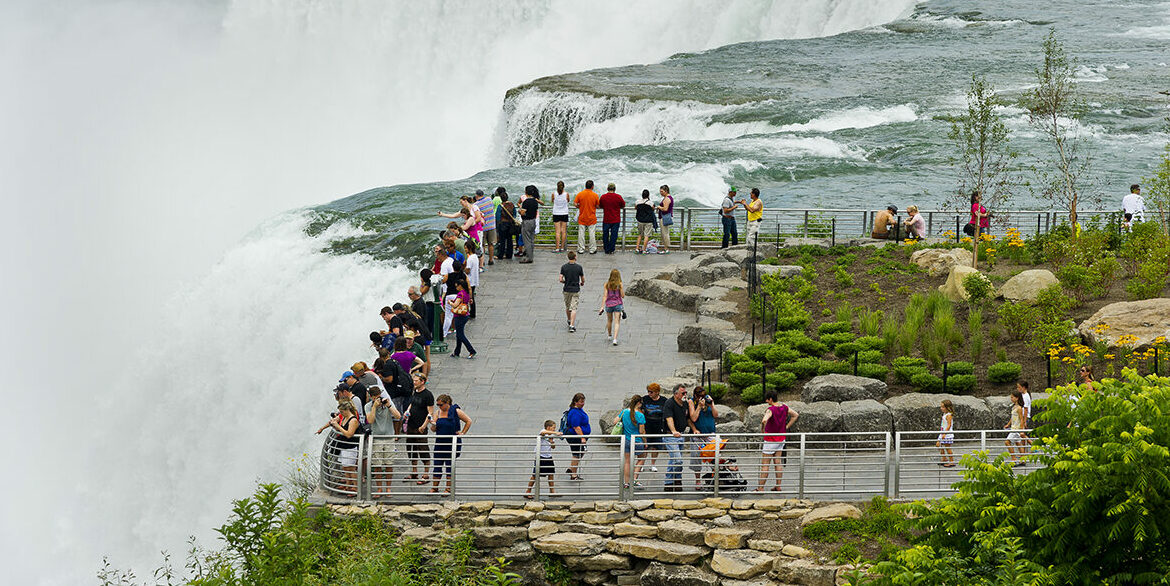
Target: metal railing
{"points": [[831, 465], [700, 227]]}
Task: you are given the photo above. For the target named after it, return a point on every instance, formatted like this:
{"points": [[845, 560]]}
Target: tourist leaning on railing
{"points": [[345, 426], [666, 216], [448, 421], [418, 415], [632, 423], [381, 416]]}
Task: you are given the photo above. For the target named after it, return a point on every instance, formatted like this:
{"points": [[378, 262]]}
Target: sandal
{"points": [[528, 496]]}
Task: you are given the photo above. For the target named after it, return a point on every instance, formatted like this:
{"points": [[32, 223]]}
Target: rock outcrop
{"points": [[953, 289], [842, 387], [1143, 320], [1027, 285], [939, 261]]}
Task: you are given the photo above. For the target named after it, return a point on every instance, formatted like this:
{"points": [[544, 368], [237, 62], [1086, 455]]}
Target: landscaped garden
{"points": [[870, 311]]}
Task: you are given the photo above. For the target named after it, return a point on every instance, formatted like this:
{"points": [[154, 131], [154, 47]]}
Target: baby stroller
{"points": [[727, 470]]}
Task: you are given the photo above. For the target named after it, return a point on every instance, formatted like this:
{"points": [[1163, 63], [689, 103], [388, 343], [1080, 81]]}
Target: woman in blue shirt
{"points": [[578, 428], [633, 426], [703, 413]]}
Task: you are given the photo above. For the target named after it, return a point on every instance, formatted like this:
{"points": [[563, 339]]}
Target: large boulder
{"points": [[804, 572], [726, 414], [659, 574], [953, 289], [740, 564], [920, 411], [938, 261], [710, 337], [764, 249], [733, 427], [713, 293], [866, 416], [731, 283], [652, 549], [725, 310], [575, 544], [606, 420], [1027, 285], [693, 273], [666, 293], [1144, 320], [818, 417], [842, 387], [830, 512]]}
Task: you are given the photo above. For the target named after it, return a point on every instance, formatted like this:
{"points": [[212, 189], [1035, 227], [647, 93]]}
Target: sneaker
{"points": [[615, 341], [663, 252], [572, 329], [453, 355], [654, 468], [491, 262]]}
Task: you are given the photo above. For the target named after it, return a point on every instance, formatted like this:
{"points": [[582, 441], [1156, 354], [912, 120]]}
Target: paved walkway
{"points": [[529, 366]]}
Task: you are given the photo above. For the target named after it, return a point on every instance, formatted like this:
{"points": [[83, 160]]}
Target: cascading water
{"points": [[147, 137]]}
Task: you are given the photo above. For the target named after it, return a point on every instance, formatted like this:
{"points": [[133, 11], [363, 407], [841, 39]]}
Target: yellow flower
{"points": [[1160, 340], [1109, 357], [1067, 359], [966, 240]]}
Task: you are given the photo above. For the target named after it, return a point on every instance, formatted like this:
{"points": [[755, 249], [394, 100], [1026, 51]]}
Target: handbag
{"points": [[667, 219], [460, 308], [969, 229], [617, 427]]}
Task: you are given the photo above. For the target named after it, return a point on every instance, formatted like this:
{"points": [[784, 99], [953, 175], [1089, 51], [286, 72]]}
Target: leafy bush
{"points": [[870, 356], [796, 323], [780, 354], [757, 352], [873, 371], [1003, 372], [781, 380], [1053, 304], [979, 288], [925, 382], [1150, 279], [743, 379], [908, 361], [752, 395], [961, 383], [835, 367], [801, 342], [834, 327], [717, 390], [1091, 512], [730, 359], [960, 368], [803, 367], [1089, 282], [1017, 319], [1046, 334], [831, 340], [872, 343], [748, 365], [847, 349], [870, 322]]}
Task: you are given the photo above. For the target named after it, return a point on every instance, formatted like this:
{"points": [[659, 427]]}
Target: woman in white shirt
{"points": [[915, 224], [560, 210]]}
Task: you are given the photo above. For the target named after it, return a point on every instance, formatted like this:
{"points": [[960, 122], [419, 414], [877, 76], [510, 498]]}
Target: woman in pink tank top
{"points": [[775, 425]]}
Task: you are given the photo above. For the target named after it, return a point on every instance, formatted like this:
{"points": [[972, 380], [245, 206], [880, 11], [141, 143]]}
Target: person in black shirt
{"points": [[419, 413], [644, 214], [573, 276], [652, 405], [529, 208], [677, 414]]}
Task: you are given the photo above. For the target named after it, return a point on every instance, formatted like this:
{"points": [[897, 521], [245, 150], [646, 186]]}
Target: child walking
{"points": [[1015, 439], [544, 465], [946, 437]]}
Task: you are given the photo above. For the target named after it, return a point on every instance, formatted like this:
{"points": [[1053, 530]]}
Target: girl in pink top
{"points": [[613, 307], [775, 425], [979, 215]]}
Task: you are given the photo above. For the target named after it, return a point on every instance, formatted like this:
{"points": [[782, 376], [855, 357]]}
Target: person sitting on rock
{"points": [[883, 221]]}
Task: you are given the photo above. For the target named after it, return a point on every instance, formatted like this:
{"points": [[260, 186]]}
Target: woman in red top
{"points": [[776, 421], [979, 216], [461, 310]]}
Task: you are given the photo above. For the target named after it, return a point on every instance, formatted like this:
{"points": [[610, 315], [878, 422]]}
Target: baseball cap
{"points": [[398, 307], [345, 375], [732, 189], [478, 192]]}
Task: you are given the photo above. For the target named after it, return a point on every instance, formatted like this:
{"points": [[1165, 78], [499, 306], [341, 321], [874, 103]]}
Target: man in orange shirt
{"points": [[586, 204]]}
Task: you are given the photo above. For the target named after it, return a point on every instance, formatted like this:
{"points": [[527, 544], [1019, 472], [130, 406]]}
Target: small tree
{"points": [[985, 157], [1054, 107], [1157, 189]]}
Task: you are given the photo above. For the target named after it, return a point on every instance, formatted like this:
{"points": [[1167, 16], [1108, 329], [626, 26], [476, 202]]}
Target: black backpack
{"points": [[403, 384]]}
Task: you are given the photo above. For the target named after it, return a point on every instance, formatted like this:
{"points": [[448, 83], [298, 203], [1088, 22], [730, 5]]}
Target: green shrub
{"points": [[870, 356], [831, 340], [757, 352], [906, 374], [1053, 304], [960, 368], [803, 367], [960, 383], [847, 349], [870, 322], [743, 379], [1017, 319], [781, 380], [801, 342], [748, 365], [752, 395], [873, 371], [835, 367], [792, 323], [730, 359], [1150, 279], [1003, 372], [924, 382], [781, 354], [908, 361], [835, 327], [717, 390], [979, 288], [872, 343], [1044, 335]]}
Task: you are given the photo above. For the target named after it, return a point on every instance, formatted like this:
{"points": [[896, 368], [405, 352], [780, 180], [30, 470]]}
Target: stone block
{"points": [[726, 538], [705, 513], [939, 261], [830, 512], [795, 551], [650, 549], [602, 530], [659, 574], [804, 572], [745, 515], [632, 530], [538, 529], [740, 564], [598, 563], [765, 545], [565, 544], [1144, 320], [486, 537], [500, 516], [920, 412], [842, 387], [1027, 285], [726, 414], [681, 531], [658, 515], [953, 289]]}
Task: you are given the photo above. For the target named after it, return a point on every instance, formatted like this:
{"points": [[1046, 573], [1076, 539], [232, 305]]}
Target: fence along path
{"points": [[826, 466]]}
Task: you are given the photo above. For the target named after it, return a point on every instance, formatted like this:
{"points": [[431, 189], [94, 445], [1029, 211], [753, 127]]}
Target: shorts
{"points": [[560, 218], [639, 447], [654, 443], [576, 446], [615, 309], [348, 457], [946, 439], [571, 300], [1015, 436], [416, 446], [489, 237], [399, 403], [546, 466], [383, 452], [771, 448], [645, 229]]}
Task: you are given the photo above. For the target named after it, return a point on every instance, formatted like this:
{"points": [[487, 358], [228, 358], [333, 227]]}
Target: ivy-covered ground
{"points": [[872, 304]]}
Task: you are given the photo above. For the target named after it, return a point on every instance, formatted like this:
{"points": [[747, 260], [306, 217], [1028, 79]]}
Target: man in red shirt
{"points": [[586, 204], [611, 204]]}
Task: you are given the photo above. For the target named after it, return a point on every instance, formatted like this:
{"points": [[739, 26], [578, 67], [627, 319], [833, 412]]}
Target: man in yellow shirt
{"points": [[755, 216], [586, 204]]}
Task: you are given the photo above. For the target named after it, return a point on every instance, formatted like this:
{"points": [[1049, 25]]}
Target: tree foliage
{"points": [[985, 160], [1157, 190], [1094, 513]]}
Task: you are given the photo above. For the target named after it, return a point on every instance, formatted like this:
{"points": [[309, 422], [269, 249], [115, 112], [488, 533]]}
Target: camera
{"points": [[332, 415]]}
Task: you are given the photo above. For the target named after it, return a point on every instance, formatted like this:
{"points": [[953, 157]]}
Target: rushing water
{"points": [[148, 383]]}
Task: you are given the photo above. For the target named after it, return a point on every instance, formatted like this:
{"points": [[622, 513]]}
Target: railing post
{"points": [[929, 223], [833, 237], [983, 440], [944, 376], [800, 486], [367, 457], [886, 476], [805, 224], [623, 235], [855, 364], [455, 443], [897, 464], [864, 223], [715, 469], [958, 230], [358, 484]]}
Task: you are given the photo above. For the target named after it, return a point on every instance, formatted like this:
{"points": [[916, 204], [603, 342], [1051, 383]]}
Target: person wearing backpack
{"points": [[575, 427]]}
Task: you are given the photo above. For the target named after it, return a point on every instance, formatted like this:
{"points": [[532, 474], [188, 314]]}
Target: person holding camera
{"points": [[381, 415], [703, 414], [345, 427]]}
